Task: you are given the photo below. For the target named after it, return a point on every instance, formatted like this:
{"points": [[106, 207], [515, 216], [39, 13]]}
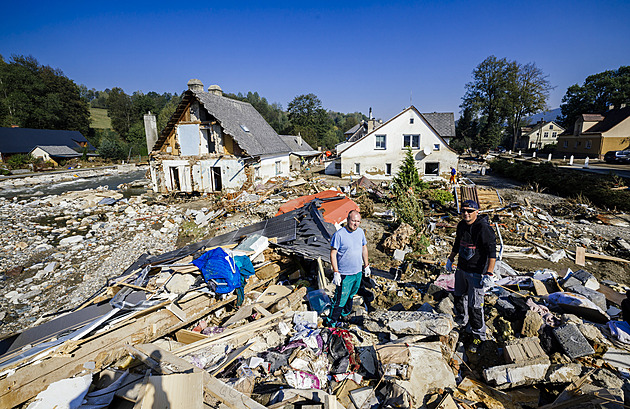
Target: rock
{"points": [[517, 374], [532, 323], [70, 240], [563, 373], [180, 283], [400, 238], [409, 322], [588, 280], [11, 294], [592, 333], [446, 306], [606, 379], [573, 342]]}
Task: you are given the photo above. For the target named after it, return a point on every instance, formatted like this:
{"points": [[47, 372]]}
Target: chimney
{"points": [[370, 115], [216, 90], [299, 139], [611, 107], [195, 85], [150, 130]]}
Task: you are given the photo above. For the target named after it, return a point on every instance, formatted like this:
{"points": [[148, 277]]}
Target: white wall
{"points": [[373, 161], [40, 153], [267, 168], [197, 176]]}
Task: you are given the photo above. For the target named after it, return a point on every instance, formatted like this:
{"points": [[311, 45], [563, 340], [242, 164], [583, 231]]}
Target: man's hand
{"points": [[337, 278], [487, 281], [449, 265], [366, 271]]}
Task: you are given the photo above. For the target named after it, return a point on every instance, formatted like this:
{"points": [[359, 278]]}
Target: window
{"points": [[278, 167], [357, 168], [550, 126], [411, 120], [554, 134], [411, 141], [388, 169], [380, 142], [566, 144], [588, 144], [436, 147], [546, 135], [432, 168]]}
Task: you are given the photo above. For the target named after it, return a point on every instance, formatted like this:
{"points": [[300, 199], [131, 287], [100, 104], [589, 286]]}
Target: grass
{"points": [[99, 118]]}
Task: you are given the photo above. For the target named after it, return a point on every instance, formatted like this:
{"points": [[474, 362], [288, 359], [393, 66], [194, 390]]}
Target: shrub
{"points": [[111, 149], [20, 160], [408, 207], [440, 196]]}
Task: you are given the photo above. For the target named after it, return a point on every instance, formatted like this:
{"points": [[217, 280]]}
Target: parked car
{"points": [[617, 156]]}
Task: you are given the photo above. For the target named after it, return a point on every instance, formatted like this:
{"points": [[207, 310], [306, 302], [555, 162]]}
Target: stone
{"points": [[505, 307], [517, 374], [591, 333], [563, 373], [606, 379], [572, 341], [70, 240], [426, 371], [588, 280], [596, 297], [446, 306], [532, 323], [180, 283], [409, 322]]}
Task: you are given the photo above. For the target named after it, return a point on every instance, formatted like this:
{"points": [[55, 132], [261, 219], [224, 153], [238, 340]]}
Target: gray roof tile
{"points": [[442, 122]]}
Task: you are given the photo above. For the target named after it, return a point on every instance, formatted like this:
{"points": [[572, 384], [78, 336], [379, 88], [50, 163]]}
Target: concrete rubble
{"points": [[107, 296]]}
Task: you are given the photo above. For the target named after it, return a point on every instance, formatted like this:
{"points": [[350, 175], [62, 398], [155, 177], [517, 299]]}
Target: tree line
{"points": [[502, 93]]}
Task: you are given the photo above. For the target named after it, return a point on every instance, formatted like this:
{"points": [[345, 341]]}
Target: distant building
{"points": [[379, 151], [213, 143], [595, 134], [25, 140], [538, 135]]}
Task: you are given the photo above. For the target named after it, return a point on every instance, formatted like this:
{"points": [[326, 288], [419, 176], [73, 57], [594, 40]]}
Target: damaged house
{"points": [[214, 143], [377, 150]]}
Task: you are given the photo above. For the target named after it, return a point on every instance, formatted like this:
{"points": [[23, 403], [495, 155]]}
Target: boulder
{"points": [[409, 322]]}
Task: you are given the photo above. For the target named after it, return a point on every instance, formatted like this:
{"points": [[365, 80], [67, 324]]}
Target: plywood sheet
{"points": [[174, 391]]}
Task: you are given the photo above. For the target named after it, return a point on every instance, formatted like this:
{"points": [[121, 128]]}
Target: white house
{"points": [[379, 153], [214, 143], [539, 135]]}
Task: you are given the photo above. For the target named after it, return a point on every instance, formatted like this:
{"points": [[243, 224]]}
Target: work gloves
{"points": [[487, 281], [449, 265], [337, 278]]}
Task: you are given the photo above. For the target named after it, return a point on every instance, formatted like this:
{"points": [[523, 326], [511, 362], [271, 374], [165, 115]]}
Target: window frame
{"points": [[384, 142], [388, 169], [411, 141], [357, 168], [436, 146]]}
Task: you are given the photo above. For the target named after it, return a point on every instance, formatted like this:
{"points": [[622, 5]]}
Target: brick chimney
{"points": [[216, 90], [195, 85]]}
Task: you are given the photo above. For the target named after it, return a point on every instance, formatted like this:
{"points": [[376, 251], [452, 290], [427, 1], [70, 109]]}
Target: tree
{"points": [[597, 93], [407, 176], [310, 119], [120, 110], [501, 91]]}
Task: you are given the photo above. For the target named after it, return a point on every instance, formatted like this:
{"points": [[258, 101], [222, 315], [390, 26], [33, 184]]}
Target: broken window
{"points": [[278, 167], [357, 168], [431, 168]]}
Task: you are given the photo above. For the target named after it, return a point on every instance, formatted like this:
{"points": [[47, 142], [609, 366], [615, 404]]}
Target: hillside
{"points": [[99, 118]]}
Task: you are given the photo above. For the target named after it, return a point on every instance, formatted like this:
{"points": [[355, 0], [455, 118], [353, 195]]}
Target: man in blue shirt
{"points": [[349, 259]]}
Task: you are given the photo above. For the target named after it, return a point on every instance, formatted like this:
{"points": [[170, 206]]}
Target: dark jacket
{"points": [[475, 244]]}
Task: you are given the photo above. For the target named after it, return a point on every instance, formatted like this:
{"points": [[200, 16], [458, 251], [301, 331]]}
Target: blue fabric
{"points": [[245, 265], [349, 248], [219, 267]]}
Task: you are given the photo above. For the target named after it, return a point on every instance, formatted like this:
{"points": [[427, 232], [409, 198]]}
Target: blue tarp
{"points": [[219, 268]]}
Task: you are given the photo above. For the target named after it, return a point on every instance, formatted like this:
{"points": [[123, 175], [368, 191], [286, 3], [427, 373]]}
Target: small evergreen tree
{"points": [[407, 177]]}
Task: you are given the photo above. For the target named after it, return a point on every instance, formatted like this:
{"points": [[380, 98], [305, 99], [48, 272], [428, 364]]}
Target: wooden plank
{"points": [[178, 312], [611, 295], [606, 258], [580, 256], [232, 356], [188, 337], [174, 391], [211, 385], [104, 349]]}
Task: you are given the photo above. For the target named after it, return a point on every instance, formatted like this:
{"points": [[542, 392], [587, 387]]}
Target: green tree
{"points": [[503, 90], [599, 91], [310, 119], [120, 110], [407, 176]]}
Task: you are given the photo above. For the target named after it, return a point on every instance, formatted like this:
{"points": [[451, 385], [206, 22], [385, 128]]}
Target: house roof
{"points": [[23, 140], [528, 129], [296, 143], [58, 151], [592, 117], [609, 120], [442, 122], [441, 119]]}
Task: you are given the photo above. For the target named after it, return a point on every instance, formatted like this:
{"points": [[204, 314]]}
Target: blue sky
{"points": [[352, 55]]}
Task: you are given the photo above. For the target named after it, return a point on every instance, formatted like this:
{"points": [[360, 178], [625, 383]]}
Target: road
{"points": [[594, 166]]}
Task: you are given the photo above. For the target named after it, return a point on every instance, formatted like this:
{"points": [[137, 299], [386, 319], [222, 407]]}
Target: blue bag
{"points": [[218, 268]]}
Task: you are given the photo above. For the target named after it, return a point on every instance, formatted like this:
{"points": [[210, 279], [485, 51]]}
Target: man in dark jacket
{"points": [[475, 243]]}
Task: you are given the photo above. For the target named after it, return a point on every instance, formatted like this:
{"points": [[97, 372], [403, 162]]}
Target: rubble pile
{"points": [[237, 319]]}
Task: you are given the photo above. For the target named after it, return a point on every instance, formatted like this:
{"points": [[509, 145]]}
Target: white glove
{"points": [[367, 272], [487, 281], [449, 265], [337, 278]]}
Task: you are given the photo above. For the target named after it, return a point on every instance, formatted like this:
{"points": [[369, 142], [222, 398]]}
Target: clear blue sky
{"points": [[352, 55]]}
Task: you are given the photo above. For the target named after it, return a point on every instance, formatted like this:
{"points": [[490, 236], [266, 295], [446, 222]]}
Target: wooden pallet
{"points": [[523, 350]]}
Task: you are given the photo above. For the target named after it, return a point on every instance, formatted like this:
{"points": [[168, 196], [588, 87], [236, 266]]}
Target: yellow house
{"points": [[539, 135], [595, 134]]}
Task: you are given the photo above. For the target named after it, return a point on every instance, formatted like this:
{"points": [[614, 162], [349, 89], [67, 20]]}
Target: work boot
{"points": [[474, 345]]}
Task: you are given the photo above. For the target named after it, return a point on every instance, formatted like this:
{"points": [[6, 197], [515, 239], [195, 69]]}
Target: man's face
{"points": [[469, 215], [354, 220]]}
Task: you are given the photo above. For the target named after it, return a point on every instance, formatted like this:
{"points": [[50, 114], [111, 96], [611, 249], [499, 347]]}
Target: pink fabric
{"points": [[446, 281]]}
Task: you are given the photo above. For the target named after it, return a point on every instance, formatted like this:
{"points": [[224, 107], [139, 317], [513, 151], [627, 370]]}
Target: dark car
{"points": [[617, 156]]}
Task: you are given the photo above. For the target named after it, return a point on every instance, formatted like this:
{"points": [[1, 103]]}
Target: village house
{"points": [[595, 134], [301, 152], [538, 135], [45, 144], [376, 149], [214, 143]]}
